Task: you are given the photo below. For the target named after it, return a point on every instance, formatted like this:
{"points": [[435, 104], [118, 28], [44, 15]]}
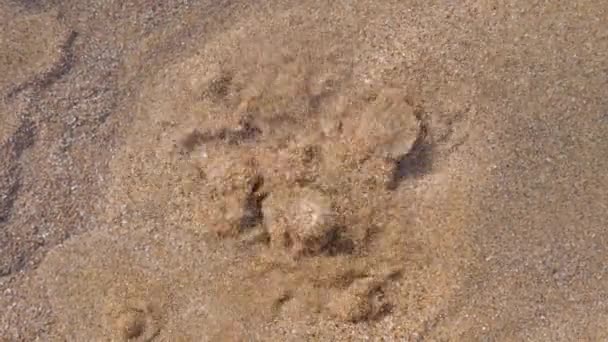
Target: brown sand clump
{"points": [[388, 127], [131, 324], [136, 322], [301, 221], [360, 301], [232, 187]]}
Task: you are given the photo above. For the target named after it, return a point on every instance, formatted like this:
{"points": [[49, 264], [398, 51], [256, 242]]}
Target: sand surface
{"points": [[303, 170]]}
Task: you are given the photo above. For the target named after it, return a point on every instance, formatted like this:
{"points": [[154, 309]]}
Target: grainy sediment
{"points": [[159, 164]]}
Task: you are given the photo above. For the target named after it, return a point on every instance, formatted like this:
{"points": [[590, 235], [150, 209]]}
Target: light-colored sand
{"points": [[303, 171]]}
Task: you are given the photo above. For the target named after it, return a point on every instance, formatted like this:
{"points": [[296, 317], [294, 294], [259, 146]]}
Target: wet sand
{"points": [[303, 171]]}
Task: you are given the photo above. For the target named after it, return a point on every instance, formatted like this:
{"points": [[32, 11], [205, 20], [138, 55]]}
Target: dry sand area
{"points": [[303, 170]]}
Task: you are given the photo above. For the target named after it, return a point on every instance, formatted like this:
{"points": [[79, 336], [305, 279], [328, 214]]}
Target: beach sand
{"points": [[303, 170]]}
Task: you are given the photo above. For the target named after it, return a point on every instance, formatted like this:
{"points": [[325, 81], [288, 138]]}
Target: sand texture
{"points": [[303, 170]]}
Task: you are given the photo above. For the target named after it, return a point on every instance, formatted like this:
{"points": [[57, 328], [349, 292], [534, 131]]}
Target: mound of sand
{"points": [[311, 183]]}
